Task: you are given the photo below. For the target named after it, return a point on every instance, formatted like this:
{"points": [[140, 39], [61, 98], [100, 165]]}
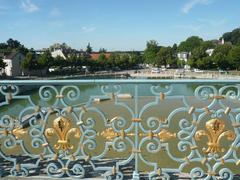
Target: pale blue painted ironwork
{"points": [[60, 93]]}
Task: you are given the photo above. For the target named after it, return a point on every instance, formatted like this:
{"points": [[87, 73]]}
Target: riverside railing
{"points": [[120, 128]]}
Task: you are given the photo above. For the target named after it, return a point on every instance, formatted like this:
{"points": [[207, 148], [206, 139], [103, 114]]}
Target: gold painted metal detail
{"points": [[222, 161], [194, 147], [211, 173], [204, 160], [136, 151], [227, 111], [37, 109], [187, 160], [165, 135], [207, 110], [215, 132], [138, 120], [238, 163], [69, 109], [191, 110], [59, 96], [18, 167], [45, 145], [41, 157], [162, 96], [112, 120], [114, 170], [219, 97], [109, 134], [62, 128], [64, 169], [19, 132], [87, 158]]}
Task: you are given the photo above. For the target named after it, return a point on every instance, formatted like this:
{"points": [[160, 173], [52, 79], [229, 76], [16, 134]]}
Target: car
{"points": [[155, 70], [221, 71], [197, 70]]}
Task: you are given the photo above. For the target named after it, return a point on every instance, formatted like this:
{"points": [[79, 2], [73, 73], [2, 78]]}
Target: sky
{"points": [[115, 24]]}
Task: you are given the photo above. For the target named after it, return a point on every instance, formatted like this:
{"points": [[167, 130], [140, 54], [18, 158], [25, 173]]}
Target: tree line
{"points": [[225, 56]]}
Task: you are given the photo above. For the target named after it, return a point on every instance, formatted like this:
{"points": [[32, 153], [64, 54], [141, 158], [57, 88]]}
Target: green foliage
{"points": [[135, 58], [233, 37], [102, 50], [29, 62], [164, 56], [234, 57], [220, 56], [190, 44], [45, 60], [150, 52], [198, 59], [207, 45], [2, 64], [60, 62], [89, 49], [12, 45]]}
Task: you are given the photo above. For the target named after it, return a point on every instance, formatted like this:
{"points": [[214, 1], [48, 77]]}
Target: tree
{"points": [[151, 51], [234, 57], [102, 50], [13, 44], [190, 44], [134, 58], [2, 64], [198, 59], [207, 45], [29, 63], [233, 37], [45, 60], [112, 60], [72, 60], [164, 55], [60, 62], [89, 49], [220, 56]]}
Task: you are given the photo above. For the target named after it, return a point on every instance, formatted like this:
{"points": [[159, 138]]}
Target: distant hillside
{"points": [[233, 37]]}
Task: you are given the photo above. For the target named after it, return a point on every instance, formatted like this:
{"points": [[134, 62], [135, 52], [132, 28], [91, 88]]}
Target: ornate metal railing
{"points": [[120, 128]]}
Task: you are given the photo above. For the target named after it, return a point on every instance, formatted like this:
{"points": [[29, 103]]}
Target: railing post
{"points": [[136, 144]]}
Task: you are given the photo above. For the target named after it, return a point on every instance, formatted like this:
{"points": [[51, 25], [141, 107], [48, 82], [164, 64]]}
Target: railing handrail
{"points": [[117, 81]]}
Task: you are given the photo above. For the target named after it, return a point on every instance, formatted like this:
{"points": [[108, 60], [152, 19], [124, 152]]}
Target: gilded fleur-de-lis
{"points": [[62, 128], [215, 132], [109, 134], [165, 135]]}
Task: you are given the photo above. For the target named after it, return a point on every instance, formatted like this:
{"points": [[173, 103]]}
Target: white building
{"points": [[13, 64], [210, 52], [183, 56], [58, 52]]}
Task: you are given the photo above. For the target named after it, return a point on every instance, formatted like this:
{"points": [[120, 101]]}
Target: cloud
{"points": [[28, 6], [192, 3], [55, 12], [88, 29]]}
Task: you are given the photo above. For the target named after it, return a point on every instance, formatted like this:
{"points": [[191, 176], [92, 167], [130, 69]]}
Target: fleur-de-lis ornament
{"points": [[215, 132], [62, 128]]}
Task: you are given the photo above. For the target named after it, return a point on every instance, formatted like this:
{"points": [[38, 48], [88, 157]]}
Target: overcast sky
{"points": [[115, 24]]}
